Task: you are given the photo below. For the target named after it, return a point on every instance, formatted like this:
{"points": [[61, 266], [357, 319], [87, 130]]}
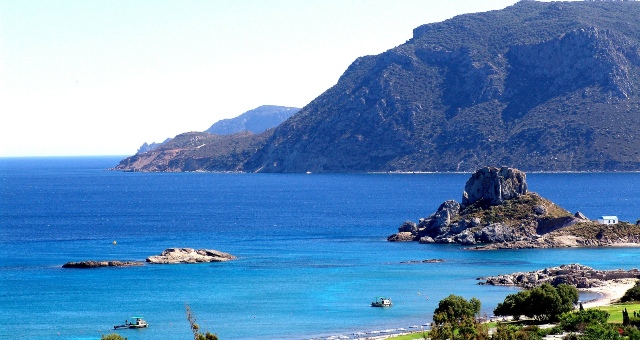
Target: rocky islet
{"points": [[168, 256], [499, 212]]}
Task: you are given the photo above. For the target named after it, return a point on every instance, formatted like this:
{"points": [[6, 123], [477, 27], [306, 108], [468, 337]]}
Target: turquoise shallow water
{"points": [[312, 250]]}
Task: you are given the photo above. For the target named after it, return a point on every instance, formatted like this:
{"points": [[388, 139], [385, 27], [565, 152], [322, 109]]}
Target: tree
{"points": [[514, 305], [112, 336], [196, 329], [569, 296], [454, 308], [632, 294], [455, 318], [544, 303]]}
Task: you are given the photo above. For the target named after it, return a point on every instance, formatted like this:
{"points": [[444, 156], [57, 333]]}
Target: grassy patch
{"points": [[514, 210], [593, 230], [615, 310], [412, 336]]}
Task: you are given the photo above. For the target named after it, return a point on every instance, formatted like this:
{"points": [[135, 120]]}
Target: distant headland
{"points": [[499, 212]]}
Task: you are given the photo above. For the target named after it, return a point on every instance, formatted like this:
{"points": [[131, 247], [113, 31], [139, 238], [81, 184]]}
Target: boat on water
{"points": [[381, 301], [138, 323]]}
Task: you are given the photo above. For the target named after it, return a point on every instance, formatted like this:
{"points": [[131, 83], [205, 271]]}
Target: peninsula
{"points": [[499, 212]]}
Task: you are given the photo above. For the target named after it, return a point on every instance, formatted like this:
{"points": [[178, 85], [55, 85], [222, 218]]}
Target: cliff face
{"points": [[538, 86]]}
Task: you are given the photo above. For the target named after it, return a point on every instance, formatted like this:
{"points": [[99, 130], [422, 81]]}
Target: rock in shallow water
{"points": [[189, 255], [98, 264]]}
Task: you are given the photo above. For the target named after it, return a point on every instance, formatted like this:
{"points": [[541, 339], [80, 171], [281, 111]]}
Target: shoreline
{"points": [[610, 292]]}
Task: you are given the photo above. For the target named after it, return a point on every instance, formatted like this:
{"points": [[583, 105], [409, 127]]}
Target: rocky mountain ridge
{"points": [[540, 86], [255, 121], [498, 212]]}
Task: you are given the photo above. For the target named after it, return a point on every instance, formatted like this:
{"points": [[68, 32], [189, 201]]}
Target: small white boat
{"points": [[138, 323], [381, 301]]}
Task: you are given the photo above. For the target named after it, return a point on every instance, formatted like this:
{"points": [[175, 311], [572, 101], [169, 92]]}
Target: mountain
{"points": [[541, 86], [197, 151], [538, 86], [256, 121]]}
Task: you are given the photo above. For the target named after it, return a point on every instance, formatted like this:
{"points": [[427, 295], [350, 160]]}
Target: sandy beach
{"points": [[611, 291]]}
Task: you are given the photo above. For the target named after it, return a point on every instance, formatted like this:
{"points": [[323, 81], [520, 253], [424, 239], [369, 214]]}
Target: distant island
{"points": [[538, 86], [499, 212]]}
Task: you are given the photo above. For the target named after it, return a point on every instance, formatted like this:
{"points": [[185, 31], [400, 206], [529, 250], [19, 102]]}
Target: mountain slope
{"points": [[257, 120], [197, 151], [538, 86]]}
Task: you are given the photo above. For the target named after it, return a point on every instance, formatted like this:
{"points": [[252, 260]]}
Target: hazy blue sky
{"points": [[102, 77]]}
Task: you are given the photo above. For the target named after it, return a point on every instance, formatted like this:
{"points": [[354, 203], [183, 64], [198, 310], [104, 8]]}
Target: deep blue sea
{"points": [[312, 250]]}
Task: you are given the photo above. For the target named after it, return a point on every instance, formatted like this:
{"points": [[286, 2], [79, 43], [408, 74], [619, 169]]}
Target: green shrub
{"points": [[578, 321], [601, 332]]}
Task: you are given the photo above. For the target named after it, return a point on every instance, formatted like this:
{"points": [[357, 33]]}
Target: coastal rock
{"points": [[492, 186], [540, 210], [409, 227], [98, 264], [189, 255], [466, 238], [581, 216], [576, 275], [402, 236], [426, 239]]}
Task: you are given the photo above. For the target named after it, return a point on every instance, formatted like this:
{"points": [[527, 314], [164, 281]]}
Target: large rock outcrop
{"points": [[492, 186], [498, 212], [189, 255]]}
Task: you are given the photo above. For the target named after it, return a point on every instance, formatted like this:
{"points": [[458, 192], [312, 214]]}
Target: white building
{"points": [[608, 220]]}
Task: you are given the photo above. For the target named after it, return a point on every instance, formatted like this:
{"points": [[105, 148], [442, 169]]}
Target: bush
{"points": [[578, 321], [601, 332]]}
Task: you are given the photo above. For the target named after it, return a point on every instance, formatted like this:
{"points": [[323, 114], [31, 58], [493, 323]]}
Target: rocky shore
{"points": [[575, 274], [499, 212]]}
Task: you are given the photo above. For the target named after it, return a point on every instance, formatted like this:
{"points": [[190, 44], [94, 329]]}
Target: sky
{"points": [[89, 77]]}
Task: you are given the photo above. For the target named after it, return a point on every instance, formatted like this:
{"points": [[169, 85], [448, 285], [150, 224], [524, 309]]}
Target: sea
{"points": [[312, 250]]}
